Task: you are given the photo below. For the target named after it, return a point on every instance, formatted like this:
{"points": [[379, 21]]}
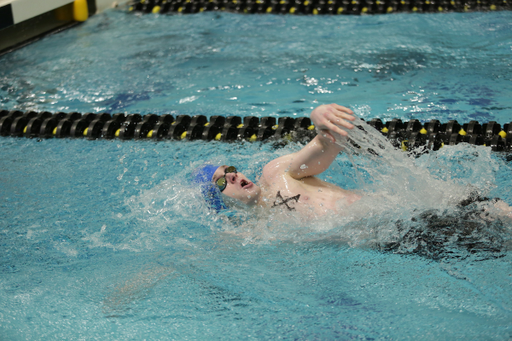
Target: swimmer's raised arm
{"points": [[318, 154]]}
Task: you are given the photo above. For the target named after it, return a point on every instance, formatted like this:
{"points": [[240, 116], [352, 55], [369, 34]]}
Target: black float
{"points": [[408, 135], [317, 7]]}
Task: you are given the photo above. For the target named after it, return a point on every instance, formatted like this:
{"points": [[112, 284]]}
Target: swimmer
{"points": [[288, 183]]}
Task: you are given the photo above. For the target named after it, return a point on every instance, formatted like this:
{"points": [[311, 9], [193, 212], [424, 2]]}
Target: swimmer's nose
{"points": [[231, 177]]}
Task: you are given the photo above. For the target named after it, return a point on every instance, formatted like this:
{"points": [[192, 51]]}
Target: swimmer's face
{"points": [[238, 186]]}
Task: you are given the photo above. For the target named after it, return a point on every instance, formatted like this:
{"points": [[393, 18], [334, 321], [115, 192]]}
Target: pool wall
{"points": [[23, 21]]}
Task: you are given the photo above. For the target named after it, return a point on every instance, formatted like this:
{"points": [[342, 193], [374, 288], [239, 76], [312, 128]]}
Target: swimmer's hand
{"points": [[329, 118]]}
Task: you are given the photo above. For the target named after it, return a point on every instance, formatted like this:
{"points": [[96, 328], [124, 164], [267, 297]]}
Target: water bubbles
{"points": [[400, 189], [120, 177], [394, 174]]}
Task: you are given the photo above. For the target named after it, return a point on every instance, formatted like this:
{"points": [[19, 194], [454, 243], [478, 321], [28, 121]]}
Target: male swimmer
{"points": [[288, 182]]}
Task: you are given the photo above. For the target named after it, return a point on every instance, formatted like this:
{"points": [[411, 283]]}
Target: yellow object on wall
{"points": [[80, 10]]}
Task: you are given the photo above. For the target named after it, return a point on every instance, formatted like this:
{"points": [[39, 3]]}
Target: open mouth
{"points": [[244, 183]]}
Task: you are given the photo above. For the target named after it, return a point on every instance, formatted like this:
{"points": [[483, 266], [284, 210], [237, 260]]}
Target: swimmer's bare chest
{"points": [[307, 194]]}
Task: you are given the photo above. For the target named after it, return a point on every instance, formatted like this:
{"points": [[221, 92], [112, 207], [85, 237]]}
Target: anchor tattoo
{"points": [[285, 201]]}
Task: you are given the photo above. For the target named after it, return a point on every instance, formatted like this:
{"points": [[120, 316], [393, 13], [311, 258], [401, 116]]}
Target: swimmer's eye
{"points": [[222, 182], [230, 169]]}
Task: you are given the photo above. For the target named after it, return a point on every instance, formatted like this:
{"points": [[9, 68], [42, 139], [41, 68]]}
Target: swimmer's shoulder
{"points": [[277, 167]]}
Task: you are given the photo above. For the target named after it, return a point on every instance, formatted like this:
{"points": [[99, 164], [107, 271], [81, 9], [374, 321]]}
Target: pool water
{"points": [[107, 240]]}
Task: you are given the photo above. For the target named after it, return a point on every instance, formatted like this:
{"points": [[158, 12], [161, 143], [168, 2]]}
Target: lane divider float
{"points": [[407, 135], [317, 7]]}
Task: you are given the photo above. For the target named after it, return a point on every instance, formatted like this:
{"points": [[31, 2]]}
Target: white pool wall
{"points": [[26, 9], [102, 5]]}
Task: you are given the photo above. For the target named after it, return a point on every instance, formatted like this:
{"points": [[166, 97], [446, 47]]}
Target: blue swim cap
{"points": [[202, 176]]}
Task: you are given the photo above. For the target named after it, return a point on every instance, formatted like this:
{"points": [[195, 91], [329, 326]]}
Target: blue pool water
{"points": [[106, 240]]}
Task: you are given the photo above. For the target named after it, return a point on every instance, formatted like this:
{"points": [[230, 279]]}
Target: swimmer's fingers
{"points": [[338, 118], [343, 113], [335, 128], [332, 117], [343, 109]]}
